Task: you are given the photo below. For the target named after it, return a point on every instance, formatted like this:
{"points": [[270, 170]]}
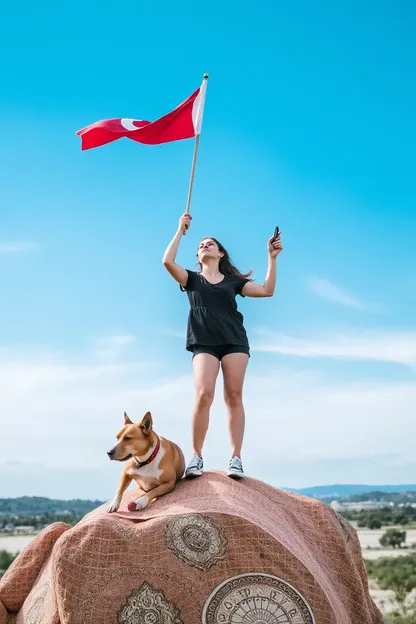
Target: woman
{"points": [[216, 335]]}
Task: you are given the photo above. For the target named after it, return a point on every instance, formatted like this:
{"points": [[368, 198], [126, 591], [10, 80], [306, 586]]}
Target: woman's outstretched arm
{"points": [[178, 273], [251, 289]]}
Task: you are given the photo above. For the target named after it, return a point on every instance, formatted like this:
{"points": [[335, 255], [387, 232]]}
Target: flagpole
{"points": [[198, 134], [191, 182]]}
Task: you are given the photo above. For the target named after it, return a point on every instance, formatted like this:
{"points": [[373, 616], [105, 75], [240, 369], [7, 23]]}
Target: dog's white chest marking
{"points": [[151, 472]]}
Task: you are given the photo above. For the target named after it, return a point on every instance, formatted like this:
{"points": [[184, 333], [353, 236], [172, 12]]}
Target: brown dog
{"points": [[154, 463]]}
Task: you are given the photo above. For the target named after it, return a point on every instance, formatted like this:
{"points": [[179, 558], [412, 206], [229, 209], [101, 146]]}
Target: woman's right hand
{"points": [[185, 222]]}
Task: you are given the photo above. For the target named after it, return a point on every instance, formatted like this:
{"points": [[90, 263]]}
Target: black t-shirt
{"points": [[213, 317]]}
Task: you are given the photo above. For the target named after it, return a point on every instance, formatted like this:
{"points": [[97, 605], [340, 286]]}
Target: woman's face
{"points": [[208, 249]]}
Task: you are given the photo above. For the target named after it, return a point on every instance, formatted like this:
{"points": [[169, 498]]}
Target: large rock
{"points": [[214, 551]]}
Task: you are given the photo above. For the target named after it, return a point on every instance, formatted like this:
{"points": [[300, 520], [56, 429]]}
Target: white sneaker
{"points": [[235, 468], [195, 467]]}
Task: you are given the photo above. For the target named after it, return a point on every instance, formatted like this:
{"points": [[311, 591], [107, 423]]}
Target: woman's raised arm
{"points": [[251, 289], [178, 273]]}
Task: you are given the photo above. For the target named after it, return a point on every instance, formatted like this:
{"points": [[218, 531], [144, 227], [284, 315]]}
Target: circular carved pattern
{"points": [[148, 605], [36, 610], [196, 540], [256, 599]]}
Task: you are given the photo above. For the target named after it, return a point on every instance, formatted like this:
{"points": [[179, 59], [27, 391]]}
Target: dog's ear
{"points": [[147, 423], [127, 420]]}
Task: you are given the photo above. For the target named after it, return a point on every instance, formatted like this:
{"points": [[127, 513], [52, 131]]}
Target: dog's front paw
{"points": [[138, 504], [114, 505]]}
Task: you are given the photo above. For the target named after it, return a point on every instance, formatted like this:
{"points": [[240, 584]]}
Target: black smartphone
{"points": [[276, 233]]}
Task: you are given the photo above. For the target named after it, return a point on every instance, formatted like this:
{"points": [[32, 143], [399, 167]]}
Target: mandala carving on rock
{"points": [[148, 605], [256, 598], [196, 540], [36, 611]]}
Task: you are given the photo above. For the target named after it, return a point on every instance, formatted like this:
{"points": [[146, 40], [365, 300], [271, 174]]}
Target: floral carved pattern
{"points": [[148, 605]]}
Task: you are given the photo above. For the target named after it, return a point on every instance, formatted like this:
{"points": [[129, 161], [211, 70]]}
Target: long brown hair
{"points": [[225, 266]]}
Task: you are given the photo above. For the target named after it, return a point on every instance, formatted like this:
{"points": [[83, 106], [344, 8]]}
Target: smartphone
{"points": [[276, 233]]}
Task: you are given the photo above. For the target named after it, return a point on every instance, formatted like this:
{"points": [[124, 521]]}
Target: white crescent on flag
{"points": [[128, 124]]}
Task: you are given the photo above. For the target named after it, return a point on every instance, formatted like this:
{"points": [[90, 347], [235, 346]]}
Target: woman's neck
{"points": [[211, 269]]}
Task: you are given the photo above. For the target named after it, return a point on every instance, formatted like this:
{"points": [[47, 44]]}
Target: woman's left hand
{"points": [[274, 246]]}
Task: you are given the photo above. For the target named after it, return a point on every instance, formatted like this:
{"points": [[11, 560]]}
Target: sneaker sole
{"points": [[193, 474], [235, 475]]}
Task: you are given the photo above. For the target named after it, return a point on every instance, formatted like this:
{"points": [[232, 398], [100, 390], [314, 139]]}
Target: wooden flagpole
{"points": [[191, 181]]}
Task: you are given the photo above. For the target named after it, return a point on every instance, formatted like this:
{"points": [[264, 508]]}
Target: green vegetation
{"points": [[37, 512], [35, 524], [37, 505], [397, 574], [396, 498], [6, 559], [393, 538], [396, 618], [387, 516]]}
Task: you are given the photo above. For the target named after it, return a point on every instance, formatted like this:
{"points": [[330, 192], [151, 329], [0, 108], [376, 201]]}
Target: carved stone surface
{"points": [[196, 540], [148, 605], [256, 599]]}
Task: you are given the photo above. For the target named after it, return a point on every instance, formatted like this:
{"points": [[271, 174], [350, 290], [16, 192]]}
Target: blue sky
{"points": [[309, 124]]}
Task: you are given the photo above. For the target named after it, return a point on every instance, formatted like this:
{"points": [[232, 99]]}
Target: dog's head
{"points": [[133, 439]]}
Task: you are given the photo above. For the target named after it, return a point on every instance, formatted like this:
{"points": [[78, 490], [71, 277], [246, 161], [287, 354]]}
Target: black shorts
{"points": [[219, 351]]}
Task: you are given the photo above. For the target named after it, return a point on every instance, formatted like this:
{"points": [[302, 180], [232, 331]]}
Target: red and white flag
{"points": [[184, 122]]}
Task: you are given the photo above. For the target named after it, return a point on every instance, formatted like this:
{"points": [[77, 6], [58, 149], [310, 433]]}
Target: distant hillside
{"points": [[338, 491], [36, 505], [397, 498]]}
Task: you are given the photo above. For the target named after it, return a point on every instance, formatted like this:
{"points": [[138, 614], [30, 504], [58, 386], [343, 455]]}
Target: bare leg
{"points": [[206, 368], [234, 368]]}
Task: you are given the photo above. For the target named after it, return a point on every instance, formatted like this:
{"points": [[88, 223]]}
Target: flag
{"points": [[184, 122]]}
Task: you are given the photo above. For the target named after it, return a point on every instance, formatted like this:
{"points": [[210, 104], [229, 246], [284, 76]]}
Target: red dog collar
{"points": [[151, 458]]}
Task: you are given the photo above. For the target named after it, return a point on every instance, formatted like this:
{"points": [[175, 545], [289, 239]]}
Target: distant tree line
{"points": [[37, 522], [37, 505], [386, 516], [397, 498]]}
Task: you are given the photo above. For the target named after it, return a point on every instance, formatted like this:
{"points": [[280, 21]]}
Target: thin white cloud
{"points": [[114, 345], [395, 347], [117, 340], [175, 333], [21, 376], [330, 292], [63, 413], [11, 248]]}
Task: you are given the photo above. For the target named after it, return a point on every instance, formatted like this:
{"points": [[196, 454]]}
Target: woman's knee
{"points": [[204, 397], [233, 398]]}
